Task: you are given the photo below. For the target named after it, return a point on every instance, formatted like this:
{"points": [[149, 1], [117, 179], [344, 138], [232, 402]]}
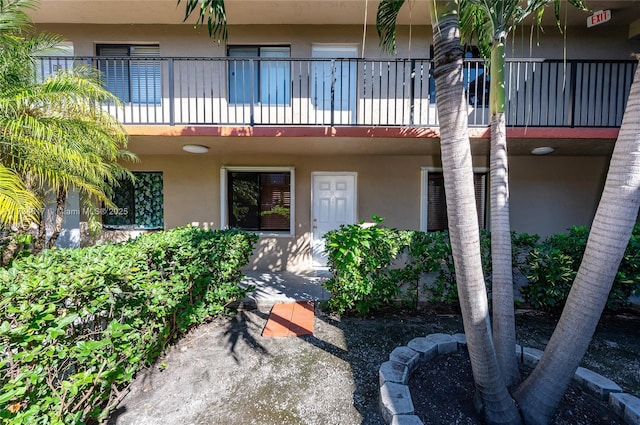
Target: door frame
{"points": [[340, 51], [314, 174]]}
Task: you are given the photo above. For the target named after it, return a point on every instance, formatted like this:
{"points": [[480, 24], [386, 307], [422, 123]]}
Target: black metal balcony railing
{"points": [[261, 91]]}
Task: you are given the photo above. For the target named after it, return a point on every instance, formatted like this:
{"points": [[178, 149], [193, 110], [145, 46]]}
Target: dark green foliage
{"points": [[375, 267], [371, 266], [552, 265], [76, 325], [359, 259]]}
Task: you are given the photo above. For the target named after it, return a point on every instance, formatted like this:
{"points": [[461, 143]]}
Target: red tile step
{"points": [[290, 319]]}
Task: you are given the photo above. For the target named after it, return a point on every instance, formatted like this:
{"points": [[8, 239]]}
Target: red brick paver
{"points": [[290, 319]]}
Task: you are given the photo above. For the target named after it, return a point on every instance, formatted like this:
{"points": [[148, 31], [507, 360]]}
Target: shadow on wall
{"points": [[88, 238], [281, 253]]}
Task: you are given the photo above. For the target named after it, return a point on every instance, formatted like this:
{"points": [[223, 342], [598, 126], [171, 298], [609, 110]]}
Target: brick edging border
{"points": [[396, 404]]}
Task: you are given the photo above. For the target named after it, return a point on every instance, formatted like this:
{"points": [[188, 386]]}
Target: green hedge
{"points": [[552, 265], [76, 325], [372, 267]]}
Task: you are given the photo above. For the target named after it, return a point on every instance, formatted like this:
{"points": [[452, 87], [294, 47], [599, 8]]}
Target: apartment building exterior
{"points": [[300, 123]]}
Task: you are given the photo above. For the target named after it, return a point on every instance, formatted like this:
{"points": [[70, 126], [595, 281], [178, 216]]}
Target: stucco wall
{"points": [[548, 194], [602, 42]]}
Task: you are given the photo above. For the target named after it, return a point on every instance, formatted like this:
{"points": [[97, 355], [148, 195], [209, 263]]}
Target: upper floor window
{"points": [[131, 72], [264, 78], [59, 58], [139, 204], [434, 202], [476, 81]]}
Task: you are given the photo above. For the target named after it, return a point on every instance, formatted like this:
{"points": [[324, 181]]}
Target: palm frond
{"points": [[476, 26], [214, 13], [386, 18], [17, 203], [13, 19]]}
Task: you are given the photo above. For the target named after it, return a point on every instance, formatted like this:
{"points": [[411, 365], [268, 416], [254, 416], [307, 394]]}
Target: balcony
{"points": [[350, 92]]}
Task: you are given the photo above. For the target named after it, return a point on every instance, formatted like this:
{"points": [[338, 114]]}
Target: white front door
{"points": [[333, 201], [333, 84]]}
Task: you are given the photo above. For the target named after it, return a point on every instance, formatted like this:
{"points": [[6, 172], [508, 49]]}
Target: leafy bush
{"points": [[553, 264], [359, 257], [77, 324], [371, 265]]}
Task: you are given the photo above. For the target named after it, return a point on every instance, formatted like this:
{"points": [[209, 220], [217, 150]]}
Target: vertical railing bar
{"points": [[315, 85], [214, 79], [548, 103], [300, 101], [191, 69], [309, 91], [170, 76], [373, 83], [412, 93], [252, 90], [395, 95], [333, 91], [364, 91], [404, 85], [590, 111], [126, 105], [572, 94], [221, 68]]}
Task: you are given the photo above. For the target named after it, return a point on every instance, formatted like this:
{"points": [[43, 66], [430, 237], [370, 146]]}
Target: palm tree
{"points": [[489, 23], [497, 404], [53, 135], [615, 217]]}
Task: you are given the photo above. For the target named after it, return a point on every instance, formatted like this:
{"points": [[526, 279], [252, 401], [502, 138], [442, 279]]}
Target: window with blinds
{"points": [[131, 72], [259, 201], [437, 203], [263, 80]]}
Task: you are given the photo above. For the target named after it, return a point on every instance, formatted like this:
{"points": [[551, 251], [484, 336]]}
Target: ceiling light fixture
{"points": [[542, 150], [195, 148]]}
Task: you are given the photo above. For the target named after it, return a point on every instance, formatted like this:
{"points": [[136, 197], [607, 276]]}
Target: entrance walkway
{"points": [[285, 287]]}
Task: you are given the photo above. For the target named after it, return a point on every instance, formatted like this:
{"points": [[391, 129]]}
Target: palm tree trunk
{"points": [[14, 245], [540, 394], [61, 200], [494, 400], [504, 329]]}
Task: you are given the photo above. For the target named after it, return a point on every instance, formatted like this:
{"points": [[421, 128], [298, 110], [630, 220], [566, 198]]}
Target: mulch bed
{"points": [[443, 390]]}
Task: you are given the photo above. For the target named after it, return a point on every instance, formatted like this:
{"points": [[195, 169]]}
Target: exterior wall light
{"points": [[195, 148], [542, 150]]}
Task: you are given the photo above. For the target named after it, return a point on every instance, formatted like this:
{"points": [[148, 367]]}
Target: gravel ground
{"points": [[442, 392], [224, 372]]}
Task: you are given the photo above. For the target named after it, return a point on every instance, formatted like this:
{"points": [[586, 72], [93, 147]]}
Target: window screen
{"points": [[259, 200], [128, 76], [437, 202]]}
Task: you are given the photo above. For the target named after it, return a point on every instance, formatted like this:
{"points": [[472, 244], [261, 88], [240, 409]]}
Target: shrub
{"points": [[367, 274], [553, 264], [77, 324], [359, 257]]}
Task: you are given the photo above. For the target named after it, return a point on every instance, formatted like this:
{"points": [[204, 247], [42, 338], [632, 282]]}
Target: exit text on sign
{"points": [[598, 17]]}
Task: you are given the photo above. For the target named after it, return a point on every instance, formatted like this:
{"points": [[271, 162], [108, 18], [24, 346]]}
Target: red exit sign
{"points": [[598, 18]]}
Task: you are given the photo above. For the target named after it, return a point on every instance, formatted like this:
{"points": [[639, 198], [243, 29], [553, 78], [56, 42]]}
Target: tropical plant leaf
{"points": [[386, 23]]}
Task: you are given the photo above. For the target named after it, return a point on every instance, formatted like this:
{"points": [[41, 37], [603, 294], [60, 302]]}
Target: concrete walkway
{"points": [[284, 286]]}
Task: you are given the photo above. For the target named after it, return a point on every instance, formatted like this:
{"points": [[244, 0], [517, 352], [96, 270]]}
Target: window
{"points": [[59, 58], [132, 73], [258, 199], [267, 81], [434, 206], [476, 81], [139, 204]]}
